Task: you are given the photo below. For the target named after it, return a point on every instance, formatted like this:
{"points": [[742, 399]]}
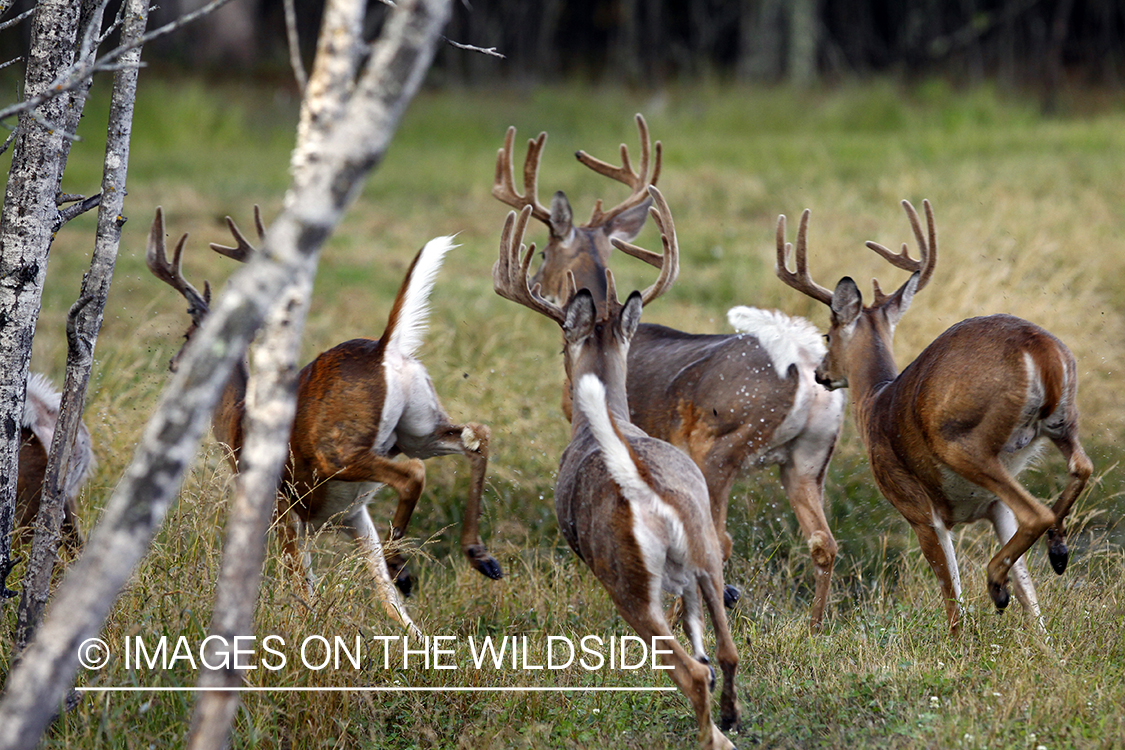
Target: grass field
{"points": [[1030, 215]]}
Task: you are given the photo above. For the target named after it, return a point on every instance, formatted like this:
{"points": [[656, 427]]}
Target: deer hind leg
{"points": [[409, 486], [804, 485], [691, 677], [471, 440], [361, 529], [1004, 522], [1080, 469], [1032, 517], [725, 652]]}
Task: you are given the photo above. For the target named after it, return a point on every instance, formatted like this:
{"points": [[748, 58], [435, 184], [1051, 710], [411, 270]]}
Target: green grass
{"points": [[1029, 213]]}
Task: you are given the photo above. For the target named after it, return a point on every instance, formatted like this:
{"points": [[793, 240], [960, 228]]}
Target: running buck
{"points": [[634, 508], [359, 405], [37, 429], [947, 437], [730, 401]]}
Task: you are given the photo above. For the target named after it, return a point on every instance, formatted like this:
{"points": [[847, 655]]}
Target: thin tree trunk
{"points": [[803, 42], [270, 398], [84, 323], [355, 144], [26, 229]]}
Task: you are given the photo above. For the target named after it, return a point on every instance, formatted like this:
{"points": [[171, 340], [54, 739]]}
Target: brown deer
{"points": [[359, 405], [730, 401], [37, 429], [947, 437], [634, 508]]}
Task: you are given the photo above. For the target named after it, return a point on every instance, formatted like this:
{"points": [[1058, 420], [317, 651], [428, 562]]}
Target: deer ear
{"points": [[847, 302], [898, 303], [562, 217], [631, 315], [628, 224], [580, 315]]}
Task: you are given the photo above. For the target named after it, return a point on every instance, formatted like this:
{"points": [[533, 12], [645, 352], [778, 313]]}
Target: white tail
{"points": [[407, 334]]}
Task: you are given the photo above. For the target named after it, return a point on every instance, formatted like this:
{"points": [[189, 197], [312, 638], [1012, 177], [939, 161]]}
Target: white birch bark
{"points": [[84, 323], [351, 147], [27, 225]]}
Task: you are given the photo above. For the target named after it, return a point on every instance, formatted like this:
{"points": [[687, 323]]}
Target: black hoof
{"points": [[731, 595], [999, 594], [400, 574], [707, 662], [405, 582], [489, 568], [729, 723], [1059, 554]]}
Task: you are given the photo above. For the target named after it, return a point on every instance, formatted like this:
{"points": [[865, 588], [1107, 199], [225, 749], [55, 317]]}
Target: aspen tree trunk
{"points": [[27, 225], [84, 323]]}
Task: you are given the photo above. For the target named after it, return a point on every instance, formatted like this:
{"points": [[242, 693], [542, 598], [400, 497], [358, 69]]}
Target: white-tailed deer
{"points": [[37, 429], [634, 508], [729, 400], [359, 405], [947, 437]]}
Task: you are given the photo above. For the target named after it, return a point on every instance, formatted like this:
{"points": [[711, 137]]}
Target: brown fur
{"points": [[340, 402], [962, 409]]}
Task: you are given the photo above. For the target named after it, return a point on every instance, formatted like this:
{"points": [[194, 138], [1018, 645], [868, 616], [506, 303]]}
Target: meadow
{"points": [[1030, 214]]}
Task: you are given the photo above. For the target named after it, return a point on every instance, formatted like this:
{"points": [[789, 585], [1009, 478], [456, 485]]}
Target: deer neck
{"points": [[871, 369], [611, 371]]}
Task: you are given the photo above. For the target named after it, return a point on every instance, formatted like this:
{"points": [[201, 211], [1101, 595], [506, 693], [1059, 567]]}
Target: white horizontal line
{"points": [[196, 689]]}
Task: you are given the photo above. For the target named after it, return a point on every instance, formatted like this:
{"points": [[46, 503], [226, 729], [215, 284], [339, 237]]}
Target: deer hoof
{"points": [[400, 574], [707, 663], [731, 595], [485, 563], [1058, 552], [999, 594]]}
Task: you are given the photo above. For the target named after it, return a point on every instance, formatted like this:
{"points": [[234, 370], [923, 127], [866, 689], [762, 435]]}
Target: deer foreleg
{"points": [[361, 528], [937, 548], [806, 496], [474, 441]]}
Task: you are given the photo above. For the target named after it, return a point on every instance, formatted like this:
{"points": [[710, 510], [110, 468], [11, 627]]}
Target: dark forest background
{"points": [[1038, 44]]}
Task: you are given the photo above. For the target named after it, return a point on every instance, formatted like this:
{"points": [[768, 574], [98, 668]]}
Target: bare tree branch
{"points": [[295, 46], [12, 22], [84, 205], [491, 51], [76, 75]]}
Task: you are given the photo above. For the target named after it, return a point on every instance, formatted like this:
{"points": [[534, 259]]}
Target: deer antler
{"points": [[639, 181], [243, 249], [801, 281], [669, 262], [504, 185], [171, 273], [926, 249], [510, 272]]}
